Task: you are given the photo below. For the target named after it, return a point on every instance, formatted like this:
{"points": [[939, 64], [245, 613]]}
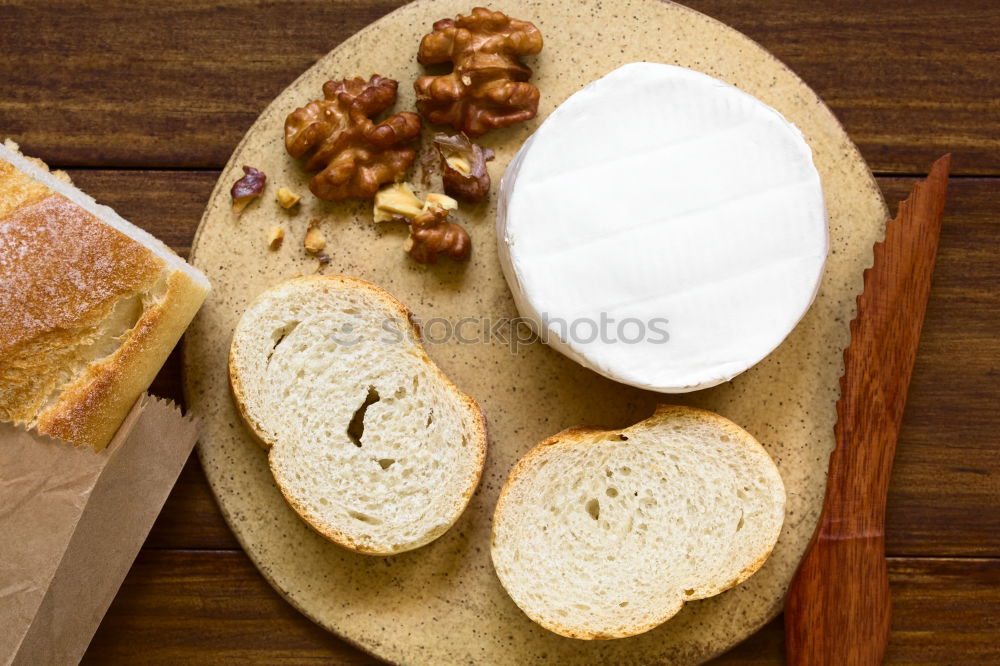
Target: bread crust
{"points": [[91, 408], [263, 437], [577, 435], [65, 372]]}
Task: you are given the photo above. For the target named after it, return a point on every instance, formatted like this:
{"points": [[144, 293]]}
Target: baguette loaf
{"points": [[368, 441], [605, 534], [90, 305]]}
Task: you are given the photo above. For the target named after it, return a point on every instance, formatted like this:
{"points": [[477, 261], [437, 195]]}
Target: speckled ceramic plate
{"points": [[442, 604]]}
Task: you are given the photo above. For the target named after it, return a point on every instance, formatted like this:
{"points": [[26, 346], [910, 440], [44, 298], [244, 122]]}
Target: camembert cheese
{"points": [[663, 228]]}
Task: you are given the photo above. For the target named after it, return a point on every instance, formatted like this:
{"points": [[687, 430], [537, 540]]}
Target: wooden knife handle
{"points": [[838, 609]]}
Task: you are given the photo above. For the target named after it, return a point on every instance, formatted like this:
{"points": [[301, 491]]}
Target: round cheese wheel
{"points": [[663, 228]]}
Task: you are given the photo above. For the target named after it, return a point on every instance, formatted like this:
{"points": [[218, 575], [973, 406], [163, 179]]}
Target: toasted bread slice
{"points": [[368, 441], [604, 534]]}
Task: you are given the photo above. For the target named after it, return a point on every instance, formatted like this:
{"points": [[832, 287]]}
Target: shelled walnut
{"points": [[487, 87], [338, 139]]}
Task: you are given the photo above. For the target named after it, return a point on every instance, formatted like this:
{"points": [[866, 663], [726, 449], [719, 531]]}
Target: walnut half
{"points": [[487, 87], [338, 139]]}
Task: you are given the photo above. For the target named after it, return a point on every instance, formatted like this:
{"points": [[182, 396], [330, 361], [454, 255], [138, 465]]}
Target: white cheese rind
{"points": [[659, 193]]}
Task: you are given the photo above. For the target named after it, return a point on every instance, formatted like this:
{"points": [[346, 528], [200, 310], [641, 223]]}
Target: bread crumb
{"points": [[314, 241], [275, 237]]}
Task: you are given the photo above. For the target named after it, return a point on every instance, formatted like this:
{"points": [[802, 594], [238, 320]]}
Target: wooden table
{"points": [[142, 104]]}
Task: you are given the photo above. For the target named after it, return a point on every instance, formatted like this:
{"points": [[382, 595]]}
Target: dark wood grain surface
{"points": [[849, 545], [143, 102]]}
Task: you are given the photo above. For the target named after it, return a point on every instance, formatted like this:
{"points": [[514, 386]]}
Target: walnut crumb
{"points": [[286, 198], [275, 237], [247, 188], [314, 241]]}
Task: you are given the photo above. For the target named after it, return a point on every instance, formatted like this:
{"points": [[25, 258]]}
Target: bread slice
{"points": [[368, 441], [91, 305], [606, 533]]}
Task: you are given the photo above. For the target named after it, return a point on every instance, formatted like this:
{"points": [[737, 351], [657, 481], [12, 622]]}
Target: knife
{"points": [[838, 609]]}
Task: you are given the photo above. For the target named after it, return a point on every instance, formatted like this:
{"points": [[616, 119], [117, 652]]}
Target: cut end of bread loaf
{"points": [[606, 534], [91, 305], [367, 439]]}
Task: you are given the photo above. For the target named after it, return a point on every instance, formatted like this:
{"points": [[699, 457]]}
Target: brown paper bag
{"points": [[71, 523]]}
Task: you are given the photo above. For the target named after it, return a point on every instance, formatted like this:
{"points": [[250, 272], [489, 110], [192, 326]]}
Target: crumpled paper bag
{"points": [[72, 521]]}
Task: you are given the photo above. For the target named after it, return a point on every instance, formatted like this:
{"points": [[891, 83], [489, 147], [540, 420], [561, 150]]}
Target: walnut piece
{"points": [[463, 167], [275, 237], [431, 235], [315, 241], [441, 201], [487, 87], [247, 188], [286, 198], [397, 202], [338, 139]]}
